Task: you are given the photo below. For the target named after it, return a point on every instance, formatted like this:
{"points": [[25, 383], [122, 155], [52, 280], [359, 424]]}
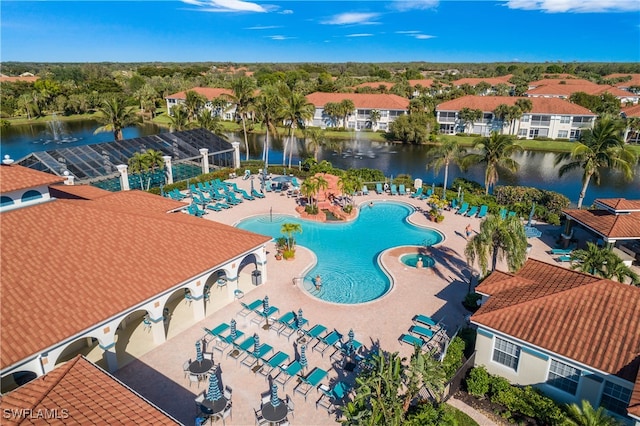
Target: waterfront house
{"points": [[572, 335], [226, 112]]}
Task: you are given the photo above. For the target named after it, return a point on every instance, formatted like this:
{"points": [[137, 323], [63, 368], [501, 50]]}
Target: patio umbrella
{"points": [[433, 188], [303, 356], [462, 198], [533, 210], [275, 401], [459, 189], [213, 393], [299, 319], [265, 306], [351, 335], [252, 184], [256, 343], [199, 356], [233, 332]]}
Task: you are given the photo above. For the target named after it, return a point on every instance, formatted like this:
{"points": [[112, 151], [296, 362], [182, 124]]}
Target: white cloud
{"points": [[265, 27], [360, 35], [404, 5], [352, 18], [226, 6], [423, 36], [408, 32], [575, 6], [286, 12], [279, 37]]}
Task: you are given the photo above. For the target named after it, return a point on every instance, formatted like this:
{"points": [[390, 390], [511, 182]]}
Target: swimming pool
{"points": [[347, 253]]}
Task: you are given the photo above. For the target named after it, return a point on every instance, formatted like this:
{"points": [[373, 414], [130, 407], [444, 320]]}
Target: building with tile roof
{"points": [[549, 117], [570, 334], [390, 107], [632, 115], [491, 81], [226, 112], [99, 263], [564, 88], [79, 392], [631, 85]]}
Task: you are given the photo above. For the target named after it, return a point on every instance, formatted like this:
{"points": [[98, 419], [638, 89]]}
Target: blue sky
{"points": [[321, 31]]}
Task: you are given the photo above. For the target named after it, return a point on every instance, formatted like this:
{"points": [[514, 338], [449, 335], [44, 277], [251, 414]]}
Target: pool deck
{"points": [[437, 292]]}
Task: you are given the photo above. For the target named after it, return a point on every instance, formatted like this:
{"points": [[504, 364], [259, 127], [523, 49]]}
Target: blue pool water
{"points": [[347, 253], [412, 260]]}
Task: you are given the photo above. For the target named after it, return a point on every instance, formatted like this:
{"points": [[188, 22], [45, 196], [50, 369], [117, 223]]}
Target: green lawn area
{"points": [[462, 419]]}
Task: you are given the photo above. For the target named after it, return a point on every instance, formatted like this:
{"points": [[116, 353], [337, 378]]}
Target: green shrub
{"points": [[468, 334], [454, 357], [348, 208], [311, 209], [478, 382], [471, 301]]}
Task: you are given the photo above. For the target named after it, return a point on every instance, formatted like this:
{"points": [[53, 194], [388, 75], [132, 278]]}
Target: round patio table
{"points": [[214, 407], [200, 367], [274, 414]]}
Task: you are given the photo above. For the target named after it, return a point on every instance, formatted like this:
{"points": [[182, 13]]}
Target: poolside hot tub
{"points": [[411, 260]]}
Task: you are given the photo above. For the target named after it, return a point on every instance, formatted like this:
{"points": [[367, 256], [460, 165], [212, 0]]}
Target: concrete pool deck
{"points": [[437, 292]]}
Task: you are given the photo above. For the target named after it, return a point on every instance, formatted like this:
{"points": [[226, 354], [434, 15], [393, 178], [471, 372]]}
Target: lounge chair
{"points": [[311, 381], [295, 183], [429, 193], [412, 340], [484, 209], [332, 396], [426, 321], [402, 190], [454, 203], [253, 357], [379, 189], [561, 251], [248, 309], [283, 321], [512, 214], [239, 349], [365, 190], [293, 327], [315, 331], [217, 331], [261, 315], [394, 189], [223, 342], [267, 186], [257, 194], [196, 211], [472, 211], [417, 194], [326, 341], [288, 372], [463, 209], [214, 207], [223, 205], [421, 331], [246, 196], [503, 213], [564, 258], [272, 363]]}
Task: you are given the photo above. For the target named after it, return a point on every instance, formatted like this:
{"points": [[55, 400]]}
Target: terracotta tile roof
{"points": [[635, 79], [632, 111], [361, 100], [608, 224], [563, 81], [376, 84], [14, 178], [209, 92], [539, 105], [619, 204], [80, 393], [567, 90], [494, 81], [591, 320], [85, 192], [105, 256], [427, 82], [634, 404], [28, 79]]}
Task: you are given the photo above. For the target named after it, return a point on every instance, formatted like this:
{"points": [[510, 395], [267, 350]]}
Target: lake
{"points": [[536, 168]]}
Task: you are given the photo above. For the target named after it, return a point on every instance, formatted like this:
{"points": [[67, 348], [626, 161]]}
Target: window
{"points": [[540, 120], [522, 132], [575, 134], [615, 398], [447, 116], [565, 119], [582, 119], [5, 201], [525, 118], [506, 353], [563, 377], [563, 134]]}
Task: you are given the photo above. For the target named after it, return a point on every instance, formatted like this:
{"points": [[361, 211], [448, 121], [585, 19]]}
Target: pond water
{"points": [[536, 168]]}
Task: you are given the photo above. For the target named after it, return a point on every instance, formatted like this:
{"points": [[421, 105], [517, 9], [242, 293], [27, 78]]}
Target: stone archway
{"points": [[217, 288], [133, 338], [178, 312], [87, 346], [248, 265]]}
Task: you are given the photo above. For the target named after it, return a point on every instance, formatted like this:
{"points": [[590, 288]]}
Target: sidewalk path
{"points": [[471, 412]]}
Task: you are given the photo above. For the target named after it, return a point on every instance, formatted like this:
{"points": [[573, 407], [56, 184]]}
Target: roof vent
{"points": [[7, 160], [69, 176]]}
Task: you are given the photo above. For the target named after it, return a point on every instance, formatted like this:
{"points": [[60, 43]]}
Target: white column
{"points": [[168, 169], [157, 330], [124, 177], [205, 160], [110, 357], [236, 154]]}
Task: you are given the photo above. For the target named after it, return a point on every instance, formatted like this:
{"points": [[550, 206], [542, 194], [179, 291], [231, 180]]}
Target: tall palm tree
{"points": [[297, 110], [374, 117], [243, 88], [495, 152], [115, 116], [586, 415], [208, 122], [193, 103], [333, 111], [309, 188], [178, 118], [138, 164], [599, 148], [501, 113], [346, 107], [498, 239], [314, 138], [268, 111], [602, 262], [424, 371], [469, 116], [443, 155], [289, 229], [525, 105]]}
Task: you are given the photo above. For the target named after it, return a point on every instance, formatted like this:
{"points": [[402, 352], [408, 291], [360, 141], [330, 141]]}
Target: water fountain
{"points": [[56, 132]]}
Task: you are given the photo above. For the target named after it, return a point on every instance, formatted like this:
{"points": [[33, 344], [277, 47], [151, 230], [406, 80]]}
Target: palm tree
{"points": [[495, 152], [297, 110], [208, 122], [447, 152], [501, 113], [315, 138], [469, 116], [524, 106], [599, 148], [602, 262], [349, 184], [193, 103], [138, 164], [289, 229], [346, 107], [178, 118], [243, 89], [115, 116], [632, 128], [424, 371], [268, 111], [333, 111], [586, 415], [374, 117], [498, 239], [308, 188]]}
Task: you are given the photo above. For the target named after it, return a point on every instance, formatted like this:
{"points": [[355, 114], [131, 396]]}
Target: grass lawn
{"points": [[462, 419]]}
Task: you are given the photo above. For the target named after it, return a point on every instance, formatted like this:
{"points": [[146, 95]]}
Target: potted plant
{"points": [[433, 214], [289, 247]]}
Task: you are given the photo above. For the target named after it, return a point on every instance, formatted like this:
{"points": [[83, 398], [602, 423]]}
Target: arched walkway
{"points": [[87, 346], [15, 380], [133, 338], [178, 312]]}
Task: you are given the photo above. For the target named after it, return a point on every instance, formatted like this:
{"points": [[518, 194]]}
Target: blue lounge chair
{"points": [[287, 373], [283, 321], [257, 194], [454, 203], [252, 357], [503, 213], [295, 183], [463, 209], [196, 211], [365, 190], [379, 189], [394, 189], [561, 251], [248, 309], [332, 396], [240, 349], [245, 195], [512, 214], [412, 340], [565, 258], [402, 190], [417, 194], [309, 382], [261, 315], [214, 207], [223, 205], [267, 186], [272, 363], [472, 211], [316, 331], [293, 327], [429, 193], [421, 331], [327, 341], [223, 342], [426, 321], [483, 211], [218, 330]]}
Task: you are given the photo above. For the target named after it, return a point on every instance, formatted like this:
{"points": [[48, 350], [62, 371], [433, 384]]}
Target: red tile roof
{"points": [[424, 82], [85, 192], [361, 100], [563, 81], [105, 256], [609, 225], [635, 80], [209, 92], [376, 84], [79, 392], [632, 111], [494, 81], [593, 321], [14, 178], [620, 204], [566, 90], [28, 79], [490, 103]]}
